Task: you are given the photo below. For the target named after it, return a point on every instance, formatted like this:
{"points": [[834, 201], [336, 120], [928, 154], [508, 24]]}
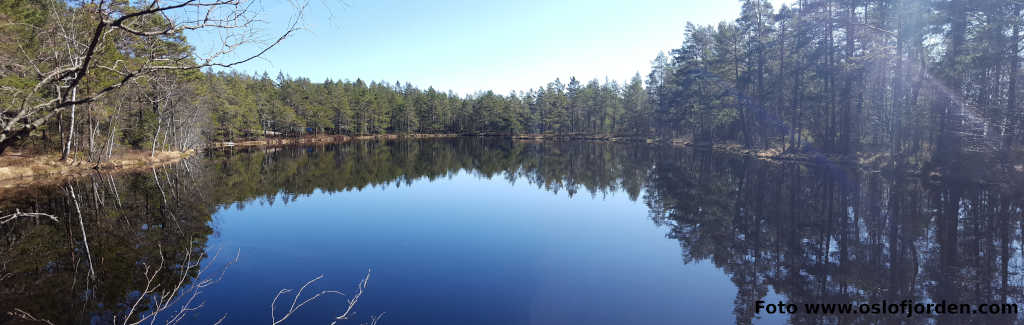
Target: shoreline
{"points": [[17, 170], [323, 139], [870, 160], [864, 159]]}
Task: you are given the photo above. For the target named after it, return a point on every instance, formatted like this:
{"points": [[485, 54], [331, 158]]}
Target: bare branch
{"points": [[181, 294], [355, 299], [18, 214], [296, 305], [26, 316]]}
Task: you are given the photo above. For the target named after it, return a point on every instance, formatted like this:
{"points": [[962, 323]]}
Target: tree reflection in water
{"points": [[810, 233]]}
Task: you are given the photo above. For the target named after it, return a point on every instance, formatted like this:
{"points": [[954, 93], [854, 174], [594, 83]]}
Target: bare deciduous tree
{"points": [[101, 46]]}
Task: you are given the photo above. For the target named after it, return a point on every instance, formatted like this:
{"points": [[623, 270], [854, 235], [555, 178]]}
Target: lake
{"points": [[477, 230]]}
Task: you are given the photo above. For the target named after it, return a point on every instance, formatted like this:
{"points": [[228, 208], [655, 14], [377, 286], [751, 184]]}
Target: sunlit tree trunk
{"points": [[71, 128]]}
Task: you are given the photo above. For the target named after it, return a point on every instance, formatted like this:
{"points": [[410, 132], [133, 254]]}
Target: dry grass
{"points": [[18, 169]]}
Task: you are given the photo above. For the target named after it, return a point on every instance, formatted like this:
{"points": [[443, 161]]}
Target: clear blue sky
{"points": [[466, 45]]}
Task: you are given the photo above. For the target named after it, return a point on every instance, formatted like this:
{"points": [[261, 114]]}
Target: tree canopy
{"points": [[916, 79]]}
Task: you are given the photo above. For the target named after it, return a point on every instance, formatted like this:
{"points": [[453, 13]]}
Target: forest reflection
{"points": [[809, 233]]}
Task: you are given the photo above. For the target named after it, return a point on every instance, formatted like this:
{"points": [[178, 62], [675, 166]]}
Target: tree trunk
{"points": [[71, 128], [156, 135], [1012, 115]]}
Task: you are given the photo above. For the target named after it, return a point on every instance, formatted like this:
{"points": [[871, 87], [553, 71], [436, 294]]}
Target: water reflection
{"points": [[803, 233], [826, 234], [90, 265]]}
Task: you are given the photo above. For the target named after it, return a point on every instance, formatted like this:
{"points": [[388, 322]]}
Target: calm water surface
{"points": [[493, 231]]}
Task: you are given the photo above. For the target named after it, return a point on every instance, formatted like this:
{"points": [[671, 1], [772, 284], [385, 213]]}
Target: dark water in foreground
{"points": [[490, 231]]}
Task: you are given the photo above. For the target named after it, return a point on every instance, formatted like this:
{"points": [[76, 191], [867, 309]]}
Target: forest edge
{"points": [[18, 168]]}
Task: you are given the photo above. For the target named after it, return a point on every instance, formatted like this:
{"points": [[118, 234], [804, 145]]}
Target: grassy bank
{"points": [[19, 169]]}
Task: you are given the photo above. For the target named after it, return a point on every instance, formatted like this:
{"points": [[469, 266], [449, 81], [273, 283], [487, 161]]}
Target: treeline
{"points": [[91, 79], [912, 78], [902, 76], [916, 79], [247, 106]]}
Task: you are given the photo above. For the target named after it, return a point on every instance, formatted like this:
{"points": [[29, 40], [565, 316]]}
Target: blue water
{"points": [[565, 232], [462, 250]]}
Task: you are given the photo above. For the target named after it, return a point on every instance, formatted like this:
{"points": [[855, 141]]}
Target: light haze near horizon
{"points": [[470, 46]]}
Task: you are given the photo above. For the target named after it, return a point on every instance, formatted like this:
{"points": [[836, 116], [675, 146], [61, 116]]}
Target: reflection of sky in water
{"points": [[466, 250]]}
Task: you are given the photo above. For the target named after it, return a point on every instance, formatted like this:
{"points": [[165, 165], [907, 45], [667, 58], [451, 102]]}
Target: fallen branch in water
{"points": [[18, 214], [352, 302], [182, 297], [375, 319], [295, 302], [296, 305], [163, 300], [21, 314]]}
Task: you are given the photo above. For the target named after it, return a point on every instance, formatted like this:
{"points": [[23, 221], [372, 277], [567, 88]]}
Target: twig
{"points": [[375, 319], [26, 316], [355, 299], [165, 299], [17, 214], [296, 305], [295, 302]]}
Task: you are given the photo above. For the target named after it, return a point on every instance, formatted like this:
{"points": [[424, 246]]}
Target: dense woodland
{"points": [[913, 78], [258, 105]]}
